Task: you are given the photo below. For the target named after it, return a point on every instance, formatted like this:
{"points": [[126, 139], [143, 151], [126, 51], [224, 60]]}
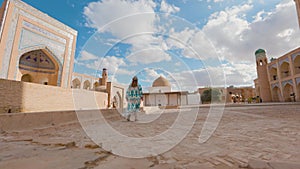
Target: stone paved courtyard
{"points": [[248, 136]]}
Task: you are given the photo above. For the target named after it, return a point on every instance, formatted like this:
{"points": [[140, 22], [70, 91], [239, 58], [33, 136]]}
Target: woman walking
{"points": [[134, 96]]}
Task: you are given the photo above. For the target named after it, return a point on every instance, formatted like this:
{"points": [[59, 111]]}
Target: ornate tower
{"points": [[298, 10], [104, 77], [262, 75]]}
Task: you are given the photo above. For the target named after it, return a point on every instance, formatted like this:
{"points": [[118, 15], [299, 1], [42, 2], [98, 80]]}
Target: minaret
{"points": [[298, 10], [104, 77], [262, 75]]}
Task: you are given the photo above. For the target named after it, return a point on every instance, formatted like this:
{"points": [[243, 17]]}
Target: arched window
{"points": [[26, 78], [285, 69]]}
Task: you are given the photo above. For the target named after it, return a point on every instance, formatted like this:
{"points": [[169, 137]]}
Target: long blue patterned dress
{"points": [[133, 97]]}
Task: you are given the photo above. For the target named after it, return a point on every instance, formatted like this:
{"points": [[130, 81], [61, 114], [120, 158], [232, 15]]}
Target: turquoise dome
{"points": [[259, 51]]}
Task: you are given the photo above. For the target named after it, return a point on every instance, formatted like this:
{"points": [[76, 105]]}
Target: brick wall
{"points": [[16, 96]]}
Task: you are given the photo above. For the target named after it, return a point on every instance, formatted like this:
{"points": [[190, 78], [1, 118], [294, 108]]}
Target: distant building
{"points": [[81, 81], [233, 94], [161, 94], [279, 80]]}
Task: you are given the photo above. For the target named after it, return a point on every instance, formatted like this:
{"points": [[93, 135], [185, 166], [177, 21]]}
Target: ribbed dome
{"points": [[161, 81]]}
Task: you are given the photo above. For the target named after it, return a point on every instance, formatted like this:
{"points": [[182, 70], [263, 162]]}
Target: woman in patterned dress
{"points": [[134, 96]]}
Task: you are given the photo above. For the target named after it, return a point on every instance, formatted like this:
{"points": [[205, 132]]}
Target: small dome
{"points": [[258, 51], [161, 81]]}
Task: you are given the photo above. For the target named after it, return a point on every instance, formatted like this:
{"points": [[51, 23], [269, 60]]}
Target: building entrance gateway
{"points": [[117, 101], [38, 66]]}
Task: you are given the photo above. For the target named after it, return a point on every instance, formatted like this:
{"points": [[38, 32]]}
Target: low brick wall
{"points": [[16, 96], [36, 120], [29, 121]]}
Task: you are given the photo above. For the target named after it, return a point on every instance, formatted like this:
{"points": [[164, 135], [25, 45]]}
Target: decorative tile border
{"points": [[9, 44], [287, 82], [29, 39], [32, 70], [297, 80], [43, 31], [273, 66], [284, 60], [295, 55], [275, 85]]}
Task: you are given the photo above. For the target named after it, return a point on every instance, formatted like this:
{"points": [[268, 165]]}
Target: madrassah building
{"points": [[278, 80], [36, 65]]}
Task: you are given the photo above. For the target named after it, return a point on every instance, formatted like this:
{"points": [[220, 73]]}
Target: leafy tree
{"points": [[210, 95]]}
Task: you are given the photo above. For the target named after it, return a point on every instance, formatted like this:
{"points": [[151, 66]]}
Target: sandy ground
{"points": [[269, 132]]}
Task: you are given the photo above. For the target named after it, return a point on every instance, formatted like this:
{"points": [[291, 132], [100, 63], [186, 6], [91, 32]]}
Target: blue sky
{"points": [[193, 43]]}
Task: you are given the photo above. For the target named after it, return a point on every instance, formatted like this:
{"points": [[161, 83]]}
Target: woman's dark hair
{"points": [[134, 82]]}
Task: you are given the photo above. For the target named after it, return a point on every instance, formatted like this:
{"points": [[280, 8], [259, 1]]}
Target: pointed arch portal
{"points": [[40, 66]]}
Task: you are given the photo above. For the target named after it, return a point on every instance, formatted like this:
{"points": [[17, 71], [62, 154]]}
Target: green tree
{"points": [[210, 95]]}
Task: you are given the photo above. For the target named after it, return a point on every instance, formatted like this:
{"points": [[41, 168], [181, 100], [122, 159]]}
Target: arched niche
{"points": [[26, 78], [87, 85], [76, 84], [273, 74], [285, 69], [41, 66], [287, 91], [297, 64], [276, 94]]}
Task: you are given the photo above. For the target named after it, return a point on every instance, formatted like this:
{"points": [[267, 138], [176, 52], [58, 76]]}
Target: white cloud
{"points": [[111, 63], [286, 34], [149, 75], [216, 1], [84, 56], [132, 22], [266, 33], [120, 71], [167, 8], [236, 39], [149, 55], [194, 43], [178, 64], [201, 48], [259, 16], [180, 39], [237, 75], [240, 73], [116, 13]]}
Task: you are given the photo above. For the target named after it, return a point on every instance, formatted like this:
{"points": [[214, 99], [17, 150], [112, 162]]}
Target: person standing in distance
{"points": [[134, 96]]}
